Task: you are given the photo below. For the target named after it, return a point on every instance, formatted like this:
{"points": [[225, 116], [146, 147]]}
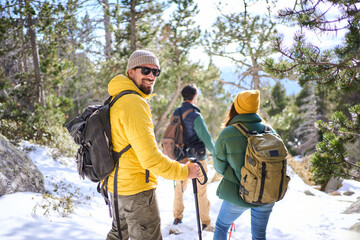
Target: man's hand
{"points": [[194, 170]]}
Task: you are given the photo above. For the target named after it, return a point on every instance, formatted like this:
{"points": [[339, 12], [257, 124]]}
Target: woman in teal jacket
{"points": [[229, 158]]}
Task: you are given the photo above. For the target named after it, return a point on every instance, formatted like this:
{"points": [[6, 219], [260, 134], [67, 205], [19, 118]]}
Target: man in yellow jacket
{"points": [[131, 123]]}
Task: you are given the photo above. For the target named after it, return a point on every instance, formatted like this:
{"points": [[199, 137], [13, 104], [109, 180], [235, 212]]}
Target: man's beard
{"points": [[145, 89]]}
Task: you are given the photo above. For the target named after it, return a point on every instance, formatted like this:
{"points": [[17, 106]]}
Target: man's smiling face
{"points": [[144, 82]]}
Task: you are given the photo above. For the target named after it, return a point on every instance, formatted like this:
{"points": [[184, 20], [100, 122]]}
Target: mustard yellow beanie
{"points": [[247, 102]]}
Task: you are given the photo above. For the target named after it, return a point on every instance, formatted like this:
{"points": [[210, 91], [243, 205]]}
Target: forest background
{"points": [[58, 56]]}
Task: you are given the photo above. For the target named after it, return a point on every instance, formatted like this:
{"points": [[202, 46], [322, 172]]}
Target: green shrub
{"points": [[337, 152], [43, 125], [62, 201]]}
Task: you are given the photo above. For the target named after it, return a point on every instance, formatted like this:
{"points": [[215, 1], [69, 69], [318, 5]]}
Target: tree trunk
{"points": [[256, 81], [36, 61], [133, 26], [107, 23], [161, 123], [23, 65]]}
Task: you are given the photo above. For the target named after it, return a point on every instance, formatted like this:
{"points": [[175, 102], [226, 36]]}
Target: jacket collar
{"points": [[189, 105], [121, 83], [246, 118]]}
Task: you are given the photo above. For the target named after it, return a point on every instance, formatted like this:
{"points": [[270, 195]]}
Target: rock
{"points": [[17, 171], [354, 208], [355, 227], [334, 193], [333, 185], [307, 192], [348, 193]]}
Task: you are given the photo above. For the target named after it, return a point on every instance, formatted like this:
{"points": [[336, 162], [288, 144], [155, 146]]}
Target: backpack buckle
{"points": [[243, 190], [250, 160]]}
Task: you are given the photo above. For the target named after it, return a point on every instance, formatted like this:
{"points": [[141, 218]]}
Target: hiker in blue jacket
{"points": [[229, 158], [196, 132]]}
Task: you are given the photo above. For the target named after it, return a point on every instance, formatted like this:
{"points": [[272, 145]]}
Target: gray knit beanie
{"points": [[140, 57]]}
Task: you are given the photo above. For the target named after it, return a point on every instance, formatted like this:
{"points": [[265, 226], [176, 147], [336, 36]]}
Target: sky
{"points": [[30, 216], [205, 19], [208, 13]]}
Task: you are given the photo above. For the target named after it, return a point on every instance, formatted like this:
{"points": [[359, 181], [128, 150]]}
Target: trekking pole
{"points": [[231, 229], [194, 160]]}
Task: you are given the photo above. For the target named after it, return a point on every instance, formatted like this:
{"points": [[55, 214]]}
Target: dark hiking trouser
{"points": [[139, 217]]}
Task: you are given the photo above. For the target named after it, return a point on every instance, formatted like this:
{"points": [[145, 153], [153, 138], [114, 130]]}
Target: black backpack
{"points": [[95, 157]]}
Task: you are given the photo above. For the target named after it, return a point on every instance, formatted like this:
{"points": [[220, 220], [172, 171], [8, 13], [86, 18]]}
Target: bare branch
{"points": [[230, 83]]}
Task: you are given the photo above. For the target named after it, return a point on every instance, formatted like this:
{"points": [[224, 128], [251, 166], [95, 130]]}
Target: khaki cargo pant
{"points": [[139, 217], [204, 203]]}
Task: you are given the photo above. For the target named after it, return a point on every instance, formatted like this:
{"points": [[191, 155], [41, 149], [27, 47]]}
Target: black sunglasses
{"points": [[146, 71]]}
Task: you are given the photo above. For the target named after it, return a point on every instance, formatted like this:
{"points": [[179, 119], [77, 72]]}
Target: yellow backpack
{"points": [[263, 176]]}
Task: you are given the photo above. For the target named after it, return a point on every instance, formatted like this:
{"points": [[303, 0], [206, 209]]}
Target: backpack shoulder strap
{"points": [[268, 129], [182, 116], [186, 113], [119, 96], [241, 127], [117, 156]]}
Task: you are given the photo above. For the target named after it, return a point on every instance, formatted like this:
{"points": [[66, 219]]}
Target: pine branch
{"points": [[353, 77], [352, 176], [345, 175], [346, 133], [352, 164]]}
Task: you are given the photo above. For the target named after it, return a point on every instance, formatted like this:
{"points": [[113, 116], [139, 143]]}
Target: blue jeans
{"points": [[229, 213]]}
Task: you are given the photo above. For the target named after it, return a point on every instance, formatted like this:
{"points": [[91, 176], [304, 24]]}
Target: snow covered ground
{"points": [[33, 216]]}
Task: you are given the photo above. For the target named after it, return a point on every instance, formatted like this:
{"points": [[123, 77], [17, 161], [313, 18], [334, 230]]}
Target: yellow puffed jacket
{"points": [[131, 122]]}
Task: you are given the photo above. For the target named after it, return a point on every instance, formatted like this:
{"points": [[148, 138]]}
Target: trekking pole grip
{"points": [[194, 160]]}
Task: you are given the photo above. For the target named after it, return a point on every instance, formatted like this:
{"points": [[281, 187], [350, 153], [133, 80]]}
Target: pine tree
{"points": [[107, 28], [334, 156], [338, 66], [129, 25], [35, 104], [278, 100], [243, 38], [306, 132], [139, 24], [178, 37]]}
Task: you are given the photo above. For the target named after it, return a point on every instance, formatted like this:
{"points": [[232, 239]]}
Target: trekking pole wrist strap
{"points": [[194, 160]]}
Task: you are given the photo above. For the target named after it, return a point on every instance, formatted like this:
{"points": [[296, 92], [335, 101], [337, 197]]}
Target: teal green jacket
{"points": [[195, 126], [203, 133], [229, 157]]}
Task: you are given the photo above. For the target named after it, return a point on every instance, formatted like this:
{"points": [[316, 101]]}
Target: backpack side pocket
{"points": [[248, 185], [168, 147]]}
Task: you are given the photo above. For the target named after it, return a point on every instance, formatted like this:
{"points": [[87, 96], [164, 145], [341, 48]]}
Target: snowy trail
{"points": [[296, 217]]}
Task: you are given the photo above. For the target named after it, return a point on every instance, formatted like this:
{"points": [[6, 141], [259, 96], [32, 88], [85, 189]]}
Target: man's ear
{"points": [[195, 97], [130, 73]]}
